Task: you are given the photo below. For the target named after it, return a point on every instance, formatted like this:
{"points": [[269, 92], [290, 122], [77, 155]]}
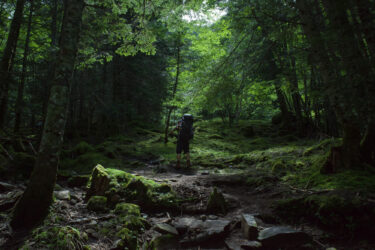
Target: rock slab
{"points": [[249, 227], [62, 195], [165, 229], [282, 236], [202, 231]]}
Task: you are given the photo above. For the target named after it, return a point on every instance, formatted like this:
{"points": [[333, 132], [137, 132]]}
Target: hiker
{"points": [[185, 134]]}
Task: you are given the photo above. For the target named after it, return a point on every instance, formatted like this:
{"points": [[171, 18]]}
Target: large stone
{"points": [[165, 229], [202, 231], [282, 236], [249, 227], [99, 182], [62, 195]]}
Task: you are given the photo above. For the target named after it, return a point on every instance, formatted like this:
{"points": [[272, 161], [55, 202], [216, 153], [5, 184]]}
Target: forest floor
{"points": [[261, 171]]}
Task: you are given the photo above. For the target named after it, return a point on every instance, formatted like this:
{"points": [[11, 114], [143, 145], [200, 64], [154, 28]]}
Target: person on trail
{"points": [[185, 134]]}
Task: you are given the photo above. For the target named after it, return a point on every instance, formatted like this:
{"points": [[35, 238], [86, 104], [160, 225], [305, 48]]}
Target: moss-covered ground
{"points": [[222, 149]]}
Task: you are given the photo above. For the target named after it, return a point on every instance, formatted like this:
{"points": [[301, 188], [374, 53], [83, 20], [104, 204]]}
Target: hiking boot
{"points": [[178, 164], [188, 164]]}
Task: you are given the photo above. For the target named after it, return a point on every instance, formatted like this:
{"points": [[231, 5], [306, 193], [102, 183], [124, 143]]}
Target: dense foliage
{"points": [[93, 69]]}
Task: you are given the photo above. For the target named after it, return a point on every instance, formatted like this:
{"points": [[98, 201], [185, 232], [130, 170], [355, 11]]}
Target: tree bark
{"points": [[51, 65], [21, 86], [174, 91], [6, 62], [34, 203]]}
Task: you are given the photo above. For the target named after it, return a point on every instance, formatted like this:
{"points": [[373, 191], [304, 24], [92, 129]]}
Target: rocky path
{"points": [[243, 202], [247, 224]]}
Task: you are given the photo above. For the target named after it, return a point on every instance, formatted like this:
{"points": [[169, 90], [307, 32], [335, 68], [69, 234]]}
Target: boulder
{"points": [[282, 236], [249, 227], [216, 203], [118, 185], [62, 195], [99, 182], [97, 203], [165, 229], [202, 231]]}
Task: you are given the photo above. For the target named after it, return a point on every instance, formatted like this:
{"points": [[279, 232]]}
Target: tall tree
{"points": [[21, 86], [6, 61], [34, 203]]}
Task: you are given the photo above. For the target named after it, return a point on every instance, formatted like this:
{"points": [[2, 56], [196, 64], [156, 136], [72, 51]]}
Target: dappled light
{"points": [[202, 124]]}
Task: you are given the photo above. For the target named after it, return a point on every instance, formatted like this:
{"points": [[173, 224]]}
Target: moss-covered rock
{"points": [[127, 209], [343, 212], [97, 204], [64, 238], [216, 203], [99, 182], [128, 218], [147, 193]]}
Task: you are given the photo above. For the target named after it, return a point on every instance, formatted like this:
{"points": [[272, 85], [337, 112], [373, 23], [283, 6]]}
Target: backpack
{"points": [[187, 126]]}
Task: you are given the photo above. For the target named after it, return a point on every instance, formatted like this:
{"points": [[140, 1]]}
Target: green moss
{"points": [[278, 166], [147, 193], [64, 238], [321, 147], [127, 209], [97, 203], [334, 211]]}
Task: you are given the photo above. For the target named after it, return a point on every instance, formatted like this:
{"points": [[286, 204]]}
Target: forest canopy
{"points": [[91, 70]]}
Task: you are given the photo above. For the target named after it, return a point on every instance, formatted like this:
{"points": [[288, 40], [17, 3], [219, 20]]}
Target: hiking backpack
{"points": [[187, 126]]}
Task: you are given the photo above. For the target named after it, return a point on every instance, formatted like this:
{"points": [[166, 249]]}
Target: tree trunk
{"points": [[34, 203], [6, 62], [295, 95], [21, 86], [51, 65], [174, 92]]}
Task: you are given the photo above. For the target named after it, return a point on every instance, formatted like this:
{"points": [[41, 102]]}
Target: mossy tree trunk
{"points": [[6, 61], [34, 204], [325, 52]]}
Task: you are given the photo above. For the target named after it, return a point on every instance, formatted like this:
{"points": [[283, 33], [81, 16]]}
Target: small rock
{"points": [[213, 217], [166, 229], [205, 173], [281, 236], [62, 195], [203, 217], [93, 223], [249, 227]]}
